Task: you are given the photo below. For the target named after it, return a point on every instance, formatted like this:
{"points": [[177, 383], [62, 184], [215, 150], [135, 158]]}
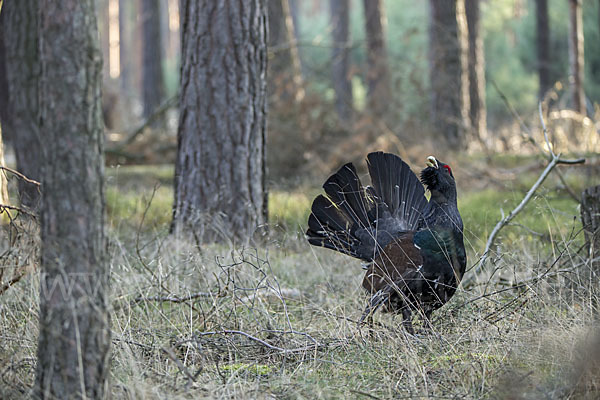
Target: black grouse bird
{"points": [[414, 247]]}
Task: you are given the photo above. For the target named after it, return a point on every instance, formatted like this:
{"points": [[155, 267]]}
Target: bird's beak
{"points": [[432, 162]]}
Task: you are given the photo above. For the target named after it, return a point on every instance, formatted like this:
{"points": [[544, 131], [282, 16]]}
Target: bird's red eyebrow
{"points": [[448, 168]]}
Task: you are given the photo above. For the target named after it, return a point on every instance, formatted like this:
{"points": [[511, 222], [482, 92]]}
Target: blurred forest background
{"points": [[325, 63], [321, 61], [127, 123]]}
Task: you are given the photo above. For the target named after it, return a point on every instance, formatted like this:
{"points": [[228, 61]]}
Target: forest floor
{"points": [[279, 319]]}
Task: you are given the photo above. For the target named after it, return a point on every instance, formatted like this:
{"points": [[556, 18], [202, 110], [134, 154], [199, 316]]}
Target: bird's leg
{"points": [[407, 321]]}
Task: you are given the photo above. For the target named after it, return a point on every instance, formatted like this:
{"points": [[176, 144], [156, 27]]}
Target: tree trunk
{"points": [[379, 92], [285, 76], [74, 335], [104, 27], [295, 13], [590, 219], [220, 175], [3, 116], [576, 59], [125, 56], [153, 85], [4, 101], [448, 71], [340, 58], [543, 46], [476, 66], [20, 29], [173, 32]]}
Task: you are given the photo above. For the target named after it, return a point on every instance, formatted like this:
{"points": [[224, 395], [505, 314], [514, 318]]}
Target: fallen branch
{"points": [[160, 110], [554, 161], [314, 346], [176, 299], [20, 175], [5, 207]]}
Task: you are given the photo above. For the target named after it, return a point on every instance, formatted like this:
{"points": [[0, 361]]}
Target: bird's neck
{"points": [[444, 213]]}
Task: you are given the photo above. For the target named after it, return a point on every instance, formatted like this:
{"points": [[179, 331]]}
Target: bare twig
{"points": [[175, 298], [20, 175], [13, 281], [177, 361], [554, 161], [5, 207], [566, 186], [516, 115], [314, 346]]}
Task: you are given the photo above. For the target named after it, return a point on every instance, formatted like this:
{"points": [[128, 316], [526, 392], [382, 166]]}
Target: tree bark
{"points": [[590, 219], [285, 76], [543, 46], [125, 56], [576, 59], [379, 92], [3, 115], [104, 27], [340, 58], [74, 335], [21, 120], [448, 71], [220, 188], [153, 84], [476, 66], [3, 79]]}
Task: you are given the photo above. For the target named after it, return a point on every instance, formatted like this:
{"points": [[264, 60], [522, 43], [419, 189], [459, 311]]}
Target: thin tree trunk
{"points": [[153, 85], [379, 92], [340, 58], [476, 66], [20, 29], [590, 219], [4, 101], [285, 76], [543, 46], [576, 59], [74, 334], [220, 188], [125, 36], [163, 16], [173, 33], [448, 71], [103, 27], [295, 13]]}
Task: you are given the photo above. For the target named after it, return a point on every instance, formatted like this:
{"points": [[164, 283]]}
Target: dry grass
{"points": [[278, 320]]}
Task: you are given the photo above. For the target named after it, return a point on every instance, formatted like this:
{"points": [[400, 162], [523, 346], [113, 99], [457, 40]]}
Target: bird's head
{"points": [[439, 180]]}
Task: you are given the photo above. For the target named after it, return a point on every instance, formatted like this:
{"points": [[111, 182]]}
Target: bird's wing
{"points": [[399, 261]]}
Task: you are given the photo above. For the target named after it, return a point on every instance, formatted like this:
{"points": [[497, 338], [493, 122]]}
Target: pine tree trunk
{"points": [[285, 76], [543, 46], [295, 13], [340, 58], [576, 59], [104, 27], [74, 333], [476, 65], [379, 92], [448, 71], [153, 85], [20, 29], [590, 219], [220, 175], [125, 37], [4, 101]]}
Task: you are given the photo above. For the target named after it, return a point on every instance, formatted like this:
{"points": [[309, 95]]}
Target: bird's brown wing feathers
{"points": [[400, 260]]}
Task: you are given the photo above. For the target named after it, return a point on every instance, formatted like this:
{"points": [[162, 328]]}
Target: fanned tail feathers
{"points": [[357, 221]]}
